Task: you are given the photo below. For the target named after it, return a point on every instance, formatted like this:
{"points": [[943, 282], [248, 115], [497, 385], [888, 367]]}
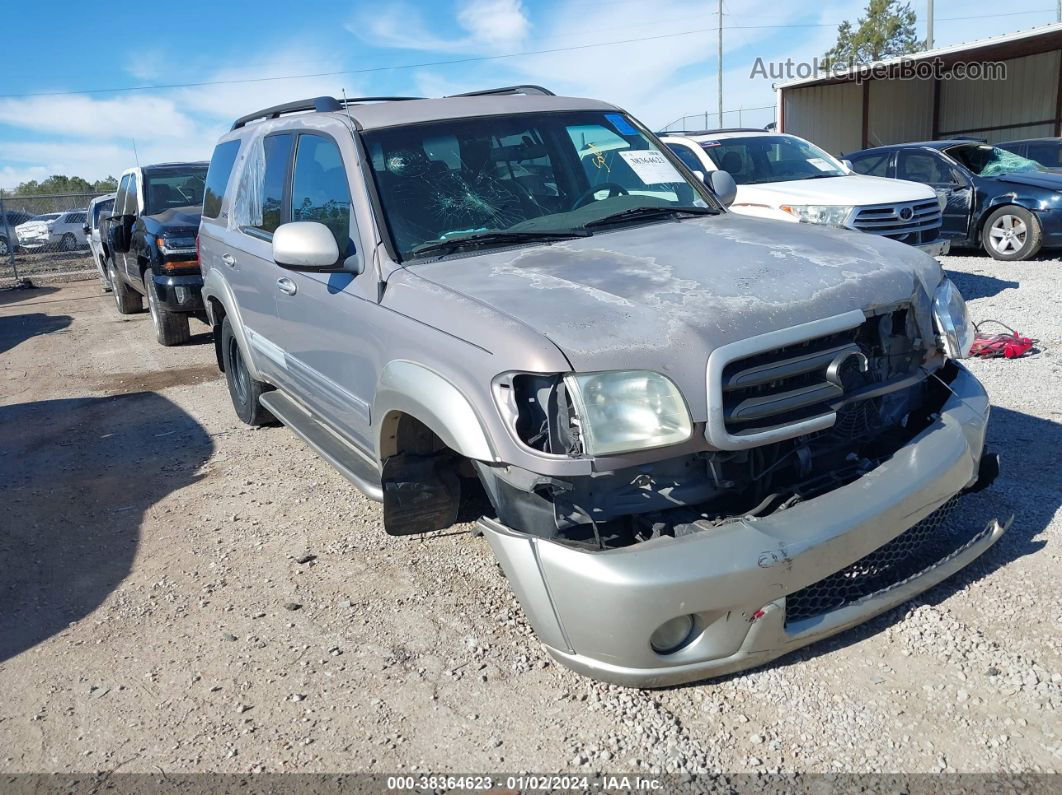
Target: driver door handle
{"points": [[287, 286], [229, 260]]}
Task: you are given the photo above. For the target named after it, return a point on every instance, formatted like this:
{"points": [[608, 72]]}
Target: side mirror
{"points": [[700, 175], [723, 186], [848, 164], [121, 232], [85, 229], [306, 245]]}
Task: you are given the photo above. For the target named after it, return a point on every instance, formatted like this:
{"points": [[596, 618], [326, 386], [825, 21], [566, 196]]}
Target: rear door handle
{"points": [[229, 260], [287, 286]]}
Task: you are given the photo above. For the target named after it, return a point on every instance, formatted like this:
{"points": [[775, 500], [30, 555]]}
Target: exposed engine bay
{"points": [[878, 379]]}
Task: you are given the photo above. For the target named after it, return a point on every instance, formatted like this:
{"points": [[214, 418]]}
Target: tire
{"points": [[171, 328], [243, 389], [1012, 233], [105, 276], [126, 298], [4, 248], [67, 242]]}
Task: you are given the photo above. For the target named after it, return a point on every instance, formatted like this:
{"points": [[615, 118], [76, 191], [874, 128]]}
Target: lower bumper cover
{"points": [[180, 293], [937, 248], [595, 610]]}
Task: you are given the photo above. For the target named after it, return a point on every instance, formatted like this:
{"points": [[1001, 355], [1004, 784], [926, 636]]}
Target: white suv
{"points": [[62, 231], [789, 179]]}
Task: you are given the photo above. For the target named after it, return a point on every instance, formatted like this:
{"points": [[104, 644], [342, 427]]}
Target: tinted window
{"points": [[122, 203], [925, 167], [218, 177], [873, 165], [319, 189], [101, 210], [686, 155], [74, 218], [277, 153], [165, 190], [1046, 154]]}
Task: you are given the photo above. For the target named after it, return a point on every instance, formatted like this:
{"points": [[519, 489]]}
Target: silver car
{"points": [[99, 208], [706, 439]]}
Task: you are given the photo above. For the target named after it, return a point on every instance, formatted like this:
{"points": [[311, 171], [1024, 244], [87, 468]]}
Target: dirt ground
{"points": [[181, 593]]}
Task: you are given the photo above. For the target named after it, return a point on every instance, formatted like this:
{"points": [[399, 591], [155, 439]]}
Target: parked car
{"points": [[995, 199], [9, 221], [1045, 151], [784, 177], [707, 439], [99, 208], [62, 231], [151, 241]]}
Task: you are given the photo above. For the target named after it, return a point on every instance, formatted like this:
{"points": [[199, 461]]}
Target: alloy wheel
{"points": [[1008, 234]]}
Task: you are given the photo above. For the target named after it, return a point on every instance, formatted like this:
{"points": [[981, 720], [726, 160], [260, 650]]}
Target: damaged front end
{"points": [[817, 492]]}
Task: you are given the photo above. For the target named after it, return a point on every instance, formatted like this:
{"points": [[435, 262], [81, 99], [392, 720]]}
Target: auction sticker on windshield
{"points": [[652, 168], [820, 164]]}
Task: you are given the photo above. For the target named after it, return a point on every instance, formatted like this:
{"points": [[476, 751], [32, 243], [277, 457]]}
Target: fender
{"points": [[413, 389], [216, 287]]}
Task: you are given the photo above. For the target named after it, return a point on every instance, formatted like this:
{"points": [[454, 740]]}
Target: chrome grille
{"points": [[808, 380], [908, 222]]}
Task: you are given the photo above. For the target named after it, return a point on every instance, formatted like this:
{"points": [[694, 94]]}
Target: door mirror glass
{"points": [[121, 232], [724, 187], [306, 245]]}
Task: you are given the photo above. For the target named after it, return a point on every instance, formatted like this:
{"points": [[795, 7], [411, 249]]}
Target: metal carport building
{"points": [[845, 112]]}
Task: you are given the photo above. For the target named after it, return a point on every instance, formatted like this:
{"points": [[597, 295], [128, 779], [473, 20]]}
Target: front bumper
{"points": [[179, 293], [936, 248], [595, 611]]}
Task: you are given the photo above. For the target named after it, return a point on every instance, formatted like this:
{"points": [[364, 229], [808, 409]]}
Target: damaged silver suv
{"points": [[707, 439]]}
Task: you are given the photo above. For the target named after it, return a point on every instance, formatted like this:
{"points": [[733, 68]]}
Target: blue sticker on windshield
{"points": [[623, 127]]}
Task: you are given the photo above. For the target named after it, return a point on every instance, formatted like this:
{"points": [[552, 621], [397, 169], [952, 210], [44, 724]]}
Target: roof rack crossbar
{"points": [[316, 104], [521, 89]]}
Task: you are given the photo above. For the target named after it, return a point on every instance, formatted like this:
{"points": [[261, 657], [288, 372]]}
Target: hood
{"points": [[179, 216], [855, 189], [662, 297], [1035, 179]]}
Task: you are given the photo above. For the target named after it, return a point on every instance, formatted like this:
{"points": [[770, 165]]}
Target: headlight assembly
{"points": [[835, 214], [952, 320], [627, 410]]}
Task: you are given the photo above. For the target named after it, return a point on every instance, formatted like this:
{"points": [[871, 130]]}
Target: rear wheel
{"points": [[67, 243], [1012, 233], [5, 249], [171, 328], [126, 298], [243, 389]]}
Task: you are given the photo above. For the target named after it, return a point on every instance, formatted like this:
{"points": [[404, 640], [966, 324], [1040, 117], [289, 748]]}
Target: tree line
{"points": [[60, 184]]}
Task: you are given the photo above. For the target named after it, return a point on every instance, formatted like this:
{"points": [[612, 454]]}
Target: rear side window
{"points": [[319, 188], [221, 164], [277, 154], [1046, 154], [874, 165]]}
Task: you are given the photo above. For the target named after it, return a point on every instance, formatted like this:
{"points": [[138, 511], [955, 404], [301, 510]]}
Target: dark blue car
{"points": [[995, 199]]}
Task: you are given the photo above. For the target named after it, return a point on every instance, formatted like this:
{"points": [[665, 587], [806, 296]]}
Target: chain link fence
{"points": [[709, 119], [42, 236]]}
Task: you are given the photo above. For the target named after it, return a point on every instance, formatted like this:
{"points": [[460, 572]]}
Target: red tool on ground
{"points": [[1000, 346]]}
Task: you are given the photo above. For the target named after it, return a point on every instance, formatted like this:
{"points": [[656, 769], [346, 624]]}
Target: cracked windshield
{"points": [[502, 180], [991, 161]]}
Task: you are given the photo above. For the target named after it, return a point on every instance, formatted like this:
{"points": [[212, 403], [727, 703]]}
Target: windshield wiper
{"points": [[641, 213], [496, 238]]}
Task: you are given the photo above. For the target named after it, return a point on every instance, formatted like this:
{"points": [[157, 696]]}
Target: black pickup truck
{"points": [[152, 242]]}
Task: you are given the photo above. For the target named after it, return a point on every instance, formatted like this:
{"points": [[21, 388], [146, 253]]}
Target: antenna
{"points": [[346, 107], [135, 155]]}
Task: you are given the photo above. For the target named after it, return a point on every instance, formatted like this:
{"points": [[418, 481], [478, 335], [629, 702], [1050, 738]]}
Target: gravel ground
{"points": [[181, 593]]}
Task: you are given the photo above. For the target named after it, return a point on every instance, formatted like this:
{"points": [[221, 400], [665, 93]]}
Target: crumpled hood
{"points": [[179, 216], [662, 297], [1036, 179]]}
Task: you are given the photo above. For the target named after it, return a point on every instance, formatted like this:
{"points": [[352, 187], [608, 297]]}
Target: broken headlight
{"points": [[622, 411], [952, 320]]}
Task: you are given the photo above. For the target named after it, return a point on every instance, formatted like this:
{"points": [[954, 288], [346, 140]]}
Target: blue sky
{"points": [[384, 48]]}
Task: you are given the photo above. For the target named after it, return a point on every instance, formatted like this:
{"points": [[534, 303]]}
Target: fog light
{"points": [[181, 293], [672, 635]]}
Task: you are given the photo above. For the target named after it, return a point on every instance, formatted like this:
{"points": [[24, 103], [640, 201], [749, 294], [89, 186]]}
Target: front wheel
{"points": [[243, 389], [171, 328], [5, 249], [1012, 233], [67, 243]]}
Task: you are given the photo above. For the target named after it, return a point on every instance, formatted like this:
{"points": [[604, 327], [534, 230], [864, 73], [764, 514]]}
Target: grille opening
{"points": [[939, 535]]}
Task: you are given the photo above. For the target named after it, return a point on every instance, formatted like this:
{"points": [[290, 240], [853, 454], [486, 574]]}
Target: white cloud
{"points": [[128, 116], [486, 25]]}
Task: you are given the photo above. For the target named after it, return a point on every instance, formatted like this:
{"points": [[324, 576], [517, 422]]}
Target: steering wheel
{"points": [[614, 189]]}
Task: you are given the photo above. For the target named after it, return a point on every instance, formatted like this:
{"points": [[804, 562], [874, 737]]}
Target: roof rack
{"points": [[522, 89], [316, 104], [710, 132]]}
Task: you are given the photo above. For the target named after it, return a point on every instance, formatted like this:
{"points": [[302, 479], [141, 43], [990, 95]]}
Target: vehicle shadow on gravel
{"points": [[76, 480], [16, 329], [1027, 488], [977, 285]]}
